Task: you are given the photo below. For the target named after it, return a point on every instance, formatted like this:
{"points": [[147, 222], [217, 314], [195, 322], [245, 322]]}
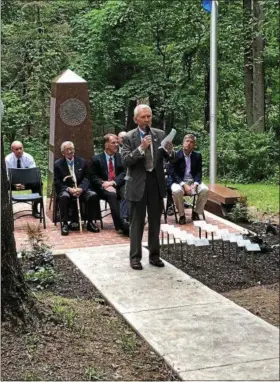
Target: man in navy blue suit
{"points": [[107, 176], [185, 177], [68, 171]]}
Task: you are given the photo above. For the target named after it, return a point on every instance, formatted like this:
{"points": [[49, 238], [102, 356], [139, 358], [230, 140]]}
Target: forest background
{"points": [[129, 50]]}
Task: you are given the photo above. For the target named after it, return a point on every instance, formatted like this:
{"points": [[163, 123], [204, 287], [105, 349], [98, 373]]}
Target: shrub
{"points": [[244, 156], [239, 213], [39, 263]]}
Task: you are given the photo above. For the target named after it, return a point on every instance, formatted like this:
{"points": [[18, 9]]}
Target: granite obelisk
{"points": [[70, 118]]}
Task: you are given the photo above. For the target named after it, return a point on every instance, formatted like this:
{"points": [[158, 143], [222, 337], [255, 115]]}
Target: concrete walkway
{"points": [[200, 334]]}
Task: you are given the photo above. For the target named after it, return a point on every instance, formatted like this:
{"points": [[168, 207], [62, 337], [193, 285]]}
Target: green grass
{"points": [[264, 197]]}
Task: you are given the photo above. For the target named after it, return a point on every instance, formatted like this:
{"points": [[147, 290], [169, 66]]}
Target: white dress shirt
{"points": [[26, 161], [188, 179]]}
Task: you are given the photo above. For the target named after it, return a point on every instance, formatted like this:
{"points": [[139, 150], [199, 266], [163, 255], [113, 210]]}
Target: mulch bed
{"points": [[251, 280]]}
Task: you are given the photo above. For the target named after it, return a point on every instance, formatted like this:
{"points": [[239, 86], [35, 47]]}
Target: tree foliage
{"points": [[131, 50]]}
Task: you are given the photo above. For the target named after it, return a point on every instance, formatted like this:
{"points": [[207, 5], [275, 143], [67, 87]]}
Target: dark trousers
{"points": [[124, 209], [91, 200], [151, 201], [118, 205]]}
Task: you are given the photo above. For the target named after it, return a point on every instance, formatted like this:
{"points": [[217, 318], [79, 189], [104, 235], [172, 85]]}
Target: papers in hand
{"points": [[168, 138]]}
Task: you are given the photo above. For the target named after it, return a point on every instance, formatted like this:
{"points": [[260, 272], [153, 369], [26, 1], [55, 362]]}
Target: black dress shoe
{"points": [[121, 231], [182, 220], [170, 211], [125, 226], [92, 227], [157, 263], [65, 229], [136, 265], [74, 226], [195, 216]]}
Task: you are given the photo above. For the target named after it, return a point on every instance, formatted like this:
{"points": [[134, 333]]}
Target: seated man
{"points": [[120, 140], [70, 181], [107, 179], [19, 159], [185, 174]]}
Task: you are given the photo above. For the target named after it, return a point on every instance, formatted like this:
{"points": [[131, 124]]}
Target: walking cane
{"points": [[78, 200]]}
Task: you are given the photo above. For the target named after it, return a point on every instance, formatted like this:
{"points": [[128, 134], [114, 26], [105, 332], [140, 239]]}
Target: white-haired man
{"points": [[71, 171], [20, 159], [145, 184], [120, 139]]}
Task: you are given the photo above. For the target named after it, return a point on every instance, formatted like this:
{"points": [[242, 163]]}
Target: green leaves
{"points": [[130, 50]]}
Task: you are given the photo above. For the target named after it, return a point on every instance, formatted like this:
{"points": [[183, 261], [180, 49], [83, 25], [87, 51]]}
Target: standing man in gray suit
{"points": [[145, 184]]}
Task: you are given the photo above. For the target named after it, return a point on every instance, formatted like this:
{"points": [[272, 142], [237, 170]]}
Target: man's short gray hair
{"points": [[122, 134], [66, 143], [191, 136], [140, 107]]}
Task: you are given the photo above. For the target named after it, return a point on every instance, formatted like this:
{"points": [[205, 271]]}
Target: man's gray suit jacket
{"points": [[135, 163]]}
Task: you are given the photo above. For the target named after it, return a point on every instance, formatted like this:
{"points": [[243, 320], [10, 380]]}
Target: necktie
{"points": [[18, 163], [111, 169], [149, 163], [70, 164]]}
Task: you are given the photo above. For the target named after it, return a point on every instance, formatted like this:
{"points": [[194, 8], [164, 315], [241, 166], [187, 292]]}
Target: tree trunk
{"points": [[15, 296], [120, 116], [130, 124], [248, 59], [258, 79]]}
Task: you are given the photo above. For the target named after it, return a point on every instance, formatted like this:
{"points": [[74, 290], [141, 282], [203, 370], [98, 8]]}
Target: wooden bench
{"points": [[221, 199]]}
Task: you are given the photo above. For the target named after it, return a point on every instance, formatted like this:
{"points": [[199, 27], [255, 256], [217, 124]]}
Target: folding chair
{"points": [[26, 176], [169, 205], [192, 204]]}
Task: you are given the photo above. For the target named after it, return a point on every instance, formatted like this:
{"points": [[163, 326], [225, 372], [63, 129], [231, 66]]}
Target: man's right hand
{"points": [[146, 141], [71, 190], [111, 189], [187, 189], [20, 186], [108, 183]]}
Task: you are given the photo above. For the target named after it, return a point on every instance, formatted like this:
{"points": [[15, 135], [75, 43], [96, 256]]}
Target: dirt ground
{"points": [[83, 338]]}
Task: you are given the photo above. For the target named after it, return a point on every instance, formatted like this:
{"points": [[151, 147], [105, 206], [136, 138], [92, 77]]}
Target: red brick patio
{"points": [[107, 236]]}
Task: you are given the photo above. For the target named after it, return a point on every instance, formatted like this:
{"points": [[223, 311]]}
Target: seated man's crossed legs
{"points": [[178, 193], [92, 210]]}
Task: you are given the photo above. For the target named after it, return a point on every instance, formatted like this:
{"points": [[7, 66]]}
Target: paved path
{"points": [[201, 334]]}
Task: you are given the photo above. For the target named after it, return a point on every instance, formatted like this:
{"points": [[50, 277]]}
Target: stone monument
{"points": [[70, 119]]}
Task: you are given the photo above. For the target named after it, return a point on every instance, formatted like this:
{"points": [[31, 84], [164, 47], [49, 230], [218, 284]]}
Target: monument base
{"points": [[221, 199]]}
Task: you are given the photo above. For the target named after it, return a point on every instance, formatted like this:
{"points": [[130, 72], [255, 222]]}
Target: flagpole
{"points": [[213, 91]]}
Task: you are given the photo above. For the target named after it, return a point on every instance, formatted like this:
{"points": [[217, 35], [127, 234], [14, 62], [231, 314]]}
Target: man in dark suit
{"points": [[145, 184], [185, 178], [107, 175], [68, 172]]}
